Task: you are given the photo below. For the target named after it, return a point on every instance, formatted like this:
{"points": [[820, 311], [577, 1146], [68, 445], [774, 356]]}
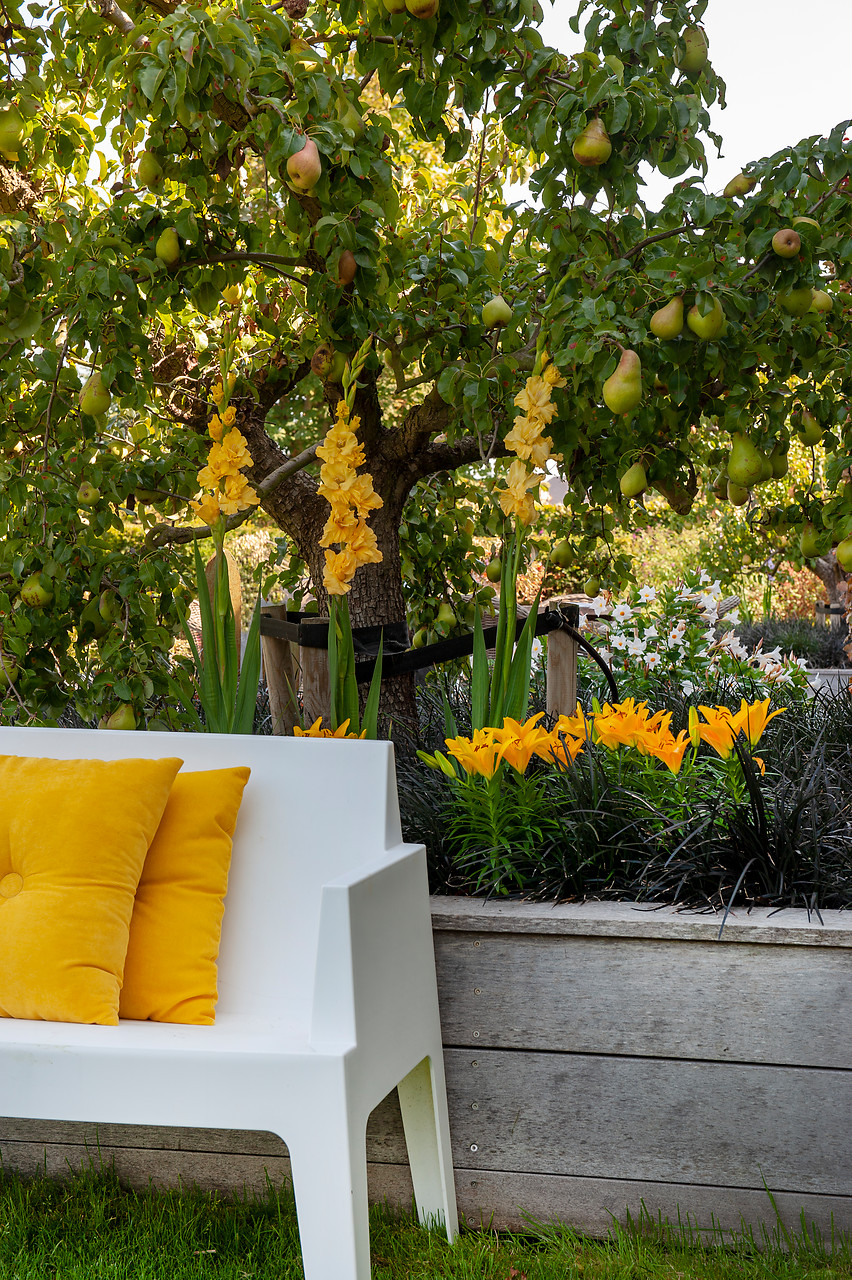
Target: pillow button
{"points": [[11, 885]]}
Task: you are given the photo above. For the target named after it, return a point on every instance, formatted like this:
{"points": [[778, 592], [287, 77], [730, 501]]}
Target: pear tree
{"points": [[252, 190]]}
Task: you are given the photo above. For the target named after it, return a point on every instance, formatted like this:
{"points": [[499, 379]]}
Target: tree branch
{"points": [[661, 235], [164, 534]]}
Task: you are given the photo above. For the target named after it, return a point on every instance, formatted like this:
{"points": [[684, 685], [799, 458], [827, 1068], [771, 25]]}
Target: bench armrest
{"points": [[375, 973]]}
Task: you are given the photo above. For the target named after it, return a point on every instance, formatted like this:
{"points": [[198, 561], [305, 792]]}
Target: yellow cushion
{"points": [[170, 972], [73, 838]]}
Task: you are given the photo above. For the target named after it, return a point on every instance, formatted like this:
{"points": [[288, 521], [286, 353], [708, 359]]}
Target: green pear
{"points": [[418, 640], [692, 58], [494, 569], [394, 6], [109, 606], [706, 326], [167, 247], [304, 168], [94, 398], [809, 432], [745, 463], [668, 321], [87, 494], [347, 268], [592, 586], [843, 551], [821, 301], [11, 131], [778, 458], [786, 242], [121, 718], [349, 117], [562, 555], [796, 301], [812, 542], [739, 186], [91, 625], [634, 481], [8, 670], [149, 171], [34, 594], [622, 390], [738, 494], [592, 146], [766, 472], [423, 9], [496, 312], [446, 615]]}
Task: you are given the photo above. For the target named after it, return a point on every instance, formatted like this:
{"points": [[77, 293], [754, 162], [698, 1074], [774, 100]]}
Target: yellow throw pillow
{"points": [[73, 838], [170, 971]]}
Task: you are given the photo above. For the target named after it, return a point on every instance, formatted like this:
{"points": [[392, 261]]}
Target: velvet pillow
{"points": [[73, 839], [170, 972]]}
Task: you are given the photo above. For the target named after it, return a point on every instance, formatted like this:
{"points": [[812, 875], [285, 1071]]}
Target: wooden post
{"points": [[316, 691], [562, 652], [279, 671]]}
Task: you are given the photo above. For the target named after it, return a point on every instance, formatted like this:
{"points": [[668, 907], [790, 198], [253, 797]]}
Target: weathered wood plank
{"points": [[651, 1119], [499, 1200], [651, 997], [629, 920], [210, 1171], [385, 1126]]}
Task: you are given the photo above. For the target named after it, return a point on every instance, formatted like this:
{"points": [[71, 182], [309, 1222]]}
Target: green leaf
{"points": [[249, 676], [479, 677], [369, 723]]}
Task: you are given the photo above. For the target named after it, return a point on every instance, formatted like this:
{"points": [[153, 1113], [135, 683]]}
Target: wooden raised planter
{"points": [[600, 1057]]}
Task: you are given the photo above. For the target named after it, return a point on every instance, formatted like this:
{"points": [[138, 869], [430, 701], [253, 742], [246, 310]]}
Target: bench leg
{"points": [[329, 1168], [427, 1137]]}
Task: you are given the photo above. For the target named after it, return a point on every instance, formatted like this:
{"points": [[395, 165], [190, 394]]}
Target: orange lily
{"points": [[480, 754], [670, 750], [520, 742], [719, 731], [753, 719], [560, 747]]}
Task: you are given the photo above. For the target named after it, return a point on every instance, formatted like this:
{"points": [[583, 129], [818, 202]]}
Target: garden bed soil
{"points": [[601, 1058]]}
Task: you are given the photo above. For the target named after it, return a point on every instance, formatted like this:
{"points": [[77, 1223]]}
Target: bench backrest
{"points": [[313, 810]]}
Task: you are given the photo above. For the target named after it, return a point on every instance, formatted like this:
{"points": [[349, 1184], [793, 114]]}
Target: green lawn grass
{"points": [[91, 1228]]}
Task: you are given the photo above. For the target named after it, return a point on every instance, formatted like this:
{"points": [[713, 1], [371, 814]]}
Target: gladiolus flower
{"points": [[207, 509]]}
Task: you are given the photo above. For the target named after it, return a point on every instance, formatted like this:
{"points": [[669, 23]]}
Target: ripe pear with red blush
{"points": [[346, 268], [304, 169]]}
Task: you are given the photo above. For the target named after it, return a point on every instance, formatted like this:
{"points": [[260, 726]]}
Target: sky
{"points": [[785, 64]]}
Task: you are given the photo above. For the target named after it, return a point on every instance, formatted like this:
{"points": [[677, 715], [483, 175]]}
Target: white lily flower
{"points": [[622, 612], [636, 647], [647, 594], [618, 642], [652, 660]]}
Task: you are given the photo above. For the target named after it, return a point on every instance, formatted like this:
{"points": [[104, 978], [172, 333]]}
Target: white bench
{"points": [[327, 993]]}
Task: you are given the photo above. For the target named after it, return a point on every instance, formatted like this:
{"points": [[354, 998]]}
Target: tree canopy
{"points": [[253, 190]]}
